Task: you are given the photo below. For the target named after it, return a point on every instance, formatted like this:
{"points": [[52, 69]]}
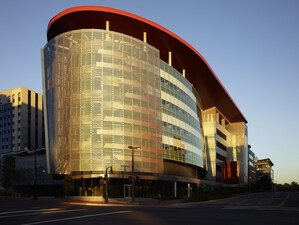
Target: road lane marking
{"points": [[261, 208], [284, 200], [41, 212], [77, 217], [22, 211]]}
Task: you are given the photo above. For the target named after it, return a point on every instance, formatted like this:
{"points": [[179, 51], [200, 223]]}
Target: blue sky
{"points": [[253, 47]]}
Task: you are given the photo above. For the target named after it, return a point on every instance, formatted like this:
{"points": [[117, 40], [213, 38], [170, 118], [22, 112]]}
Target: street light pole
{"points": [[35, 176], [35, 170], [133, 148], [106, 188]]}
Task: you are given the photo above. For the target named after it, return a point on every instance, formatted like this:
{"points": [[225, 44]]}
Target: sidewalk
{"points": [[123, 202], [99, 202]]}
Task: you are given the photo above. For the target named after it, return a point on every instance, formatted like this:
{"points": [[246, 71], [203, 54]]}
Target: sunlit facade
{"points": [[103, 93], [112, 79], [264, 167], [21, 120], [225, 142]]}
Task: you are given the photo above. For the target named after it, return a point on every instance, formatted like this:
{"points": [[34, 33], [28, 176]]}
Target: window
{"points": [[219, 145], [220, 157], [220, 134], [220, 118], [36, 100], [218, 168]]}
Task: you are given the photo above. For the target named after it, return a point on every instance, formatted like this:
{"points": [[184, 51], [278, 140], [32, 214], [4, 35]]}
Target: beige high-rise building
{"points": [[21, 120]]}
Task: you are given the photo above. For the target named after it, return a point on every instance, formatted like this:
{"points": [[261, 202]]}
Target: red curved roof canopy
{"points": [[184, 56]]}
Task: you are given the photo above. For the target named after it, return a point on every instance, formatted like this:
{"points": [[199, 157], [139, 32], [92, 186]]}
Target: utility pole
{"points": [[133, 148]]}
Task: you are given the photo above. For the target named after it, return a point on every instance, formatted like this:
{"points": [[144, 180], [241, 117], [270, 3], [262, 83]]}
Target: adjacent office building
{"points": [[21, 120], [112, 79], [251, 167], [21, 126], [264, 167]]}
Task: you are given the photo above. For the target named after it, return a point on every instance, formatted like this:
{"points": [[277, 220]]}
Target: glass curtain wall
{"points": [[181, 117], [103, 93]]}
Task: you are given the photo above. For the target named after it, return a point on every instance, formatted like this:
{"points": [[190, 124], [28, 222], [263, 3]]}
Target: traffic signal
{"points": [[130, 178]]}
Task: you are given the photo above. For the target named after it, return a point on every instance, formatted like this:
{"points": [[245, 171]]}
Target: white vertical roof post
{"points": [[184, 73], [144, 37], [107, 25], [169, 58]]}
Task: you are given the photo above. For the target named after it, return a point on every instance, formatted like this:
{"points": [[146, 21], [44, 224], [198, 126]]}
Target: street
{"points": [[254, 208]]}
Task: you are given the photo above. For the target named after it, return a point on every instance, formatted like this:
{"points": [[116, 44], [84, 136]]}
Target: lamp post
{"points": [[35, 170], [106, 188], [133, 148]]}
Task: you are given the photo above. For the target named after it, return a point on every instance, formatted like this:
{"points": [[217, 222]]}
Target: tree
{"points": [[264, 183], [6, 181]]}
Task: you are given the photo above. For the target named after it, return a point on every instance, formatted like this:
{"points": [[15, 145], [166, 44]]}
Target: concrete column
{"points": [[175, 189], [144, 37], [183, 73], [107, 25], [169, 58]]}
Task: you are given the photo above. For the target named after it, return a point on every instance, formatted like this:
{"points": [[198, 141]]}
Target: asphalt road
{"points": [[257, 208]]}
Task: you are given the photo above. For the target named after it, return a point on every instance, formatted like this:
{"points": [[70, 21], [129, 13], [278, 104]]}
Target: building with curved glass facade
{"points": [[111, 80]]}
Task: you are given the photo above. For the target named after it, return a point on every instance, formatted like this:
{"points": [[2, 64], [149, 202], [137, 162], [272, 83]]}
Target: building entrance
{"points": [[127, 191]]}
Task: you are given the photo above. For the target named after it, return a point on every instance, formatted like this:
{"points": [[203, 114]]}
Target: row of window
{"points": [[7, 118], [220, 157], [180, 154], [177, 112], [220, 118], [13, 97], [178, 93], [8, 146], [116, 88], [128, 127], [8, 110], [4, 132], [127, 114], [170, 70], [88, 59], [119, 139], [6, 125], [172, 130], [220, 134], [4, 110], [221, 146]]}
